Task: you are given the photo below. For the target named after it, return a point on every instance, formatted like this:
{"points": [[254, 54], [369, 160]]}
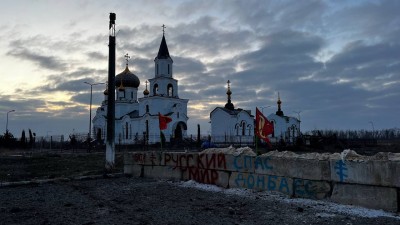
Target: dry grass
{"points": [[19, 166]]}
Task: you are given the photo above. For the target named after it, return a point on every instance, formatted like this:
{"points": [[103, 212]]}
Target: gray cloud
{"points": [[262, 47], [45, 61]]}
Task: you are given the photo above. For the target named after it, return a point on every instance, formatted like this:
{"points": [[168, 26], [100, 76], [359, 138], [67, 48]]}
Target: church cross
{"points": [[127, 57], [163, 29]]}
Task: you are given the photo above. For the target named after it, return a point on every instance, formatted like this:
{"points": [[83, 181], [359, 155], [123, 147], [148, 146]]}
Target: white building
{"points": [[136, 119], [230, 125], [286, 128]]}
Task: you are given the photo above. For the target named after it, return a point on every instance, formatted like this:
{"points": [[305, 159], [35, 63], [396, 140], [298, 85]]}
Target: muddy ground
{"points": [[127, 200]]}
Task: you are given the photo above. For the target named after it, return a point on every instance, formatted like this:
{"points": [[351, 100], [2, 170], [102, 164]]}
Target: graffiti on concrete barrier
{"points": [[206, 176], [202, 168], [201, 161], [263, 163], [263, 182], [341, 170], [139, 158], [311, 189], [153, 158], [247, 162]]}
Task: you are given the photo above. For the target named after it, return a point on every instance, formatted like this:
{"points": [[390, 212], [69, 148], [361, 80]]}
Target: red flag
{"points": [[263, 126], [163, 120]]}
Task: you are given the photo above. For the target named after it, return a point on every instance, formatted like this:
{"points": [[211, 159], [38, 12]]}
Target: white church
{"points": [[136, 119], [230, 125], [286, 128]]}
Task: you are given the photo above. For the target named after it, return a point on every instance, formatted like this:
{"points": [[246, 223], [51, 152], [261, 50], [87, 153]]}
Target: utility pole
{"points": [[110, 142], [90, 113], [7, 120]]}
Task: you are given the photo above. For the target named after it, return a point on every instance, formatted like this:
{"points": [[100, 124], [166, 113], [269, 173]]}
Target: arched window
{"points": [[121, 94], [243, 128], [155, 89], [147, 108], [157, 69], [249, 126], [170, 89], [168, 69], [237, 129], [98, 134], [126, 130]]}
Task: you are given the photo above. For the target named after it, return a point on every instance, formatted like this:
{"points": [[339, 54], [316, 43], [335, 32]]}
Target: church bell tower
{"points": [[163, 84]]}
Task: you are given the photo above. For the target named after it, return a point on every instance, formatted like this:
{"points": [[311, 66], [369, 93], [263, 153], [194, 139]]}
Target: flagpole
{"points": [[160, 140], [257, 146], [255, 133]]}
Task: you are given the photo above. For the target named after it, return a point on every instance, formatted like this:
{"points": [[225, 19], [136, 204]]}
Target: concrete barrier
{"points": [[261, 182], [372, 172], [133, 170], [365, 195], [162, 172], [311, 169], [311, 189], [347, 178], [142, 158], [206, 176]]}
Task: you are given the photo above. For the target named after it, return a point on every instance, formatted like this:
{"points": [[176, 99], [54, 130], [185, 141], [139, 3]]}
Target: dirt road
{"points": [[142, 201]]}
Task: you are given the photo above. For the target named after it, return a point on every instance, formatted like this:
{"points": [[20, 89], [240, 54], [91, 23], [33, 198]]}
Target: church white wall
{"points": [[285, 128], [162, 89], [163, 67], [229, 128], [122, 108], [129, 94]]}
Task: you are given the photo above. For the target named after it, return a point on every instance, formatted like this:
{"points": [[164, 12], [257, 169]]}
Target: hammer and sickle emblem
{"points": [[261, 123]]}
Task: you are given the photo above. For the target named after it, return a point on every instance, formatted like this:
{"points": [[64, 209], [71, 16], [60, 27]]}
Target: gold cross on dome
{"points": [[127, 57]]}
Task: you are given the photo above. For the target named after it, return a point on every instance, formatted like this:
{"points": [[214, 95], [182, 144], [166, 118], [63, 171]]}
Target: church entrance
{"points": [[178, 133]]}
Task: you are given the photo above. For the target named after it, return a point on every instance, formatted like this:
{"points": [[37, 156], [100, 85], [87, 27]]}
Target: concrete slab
{"points": [[162, 172], [310, 169], [133, 170], [206, 176], [311, 189], [372, 172], [261, 182], [367, 196]]}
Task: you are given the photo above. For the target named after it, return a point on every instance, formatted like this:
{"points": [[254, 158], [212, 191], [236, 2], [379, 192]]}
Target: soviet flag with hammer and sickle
{"points": [[263, 127]]}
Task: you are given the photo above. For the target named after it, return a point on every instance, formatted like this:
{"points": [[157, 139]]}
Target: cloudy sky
{"points": [[335, 62]]}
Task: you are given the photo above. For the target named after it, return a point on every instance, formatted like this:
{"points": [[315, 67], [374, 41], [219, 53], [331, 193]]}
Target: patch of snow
{"points": [[230, 150], [345, 155], [325, 215], [205, 187]]}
